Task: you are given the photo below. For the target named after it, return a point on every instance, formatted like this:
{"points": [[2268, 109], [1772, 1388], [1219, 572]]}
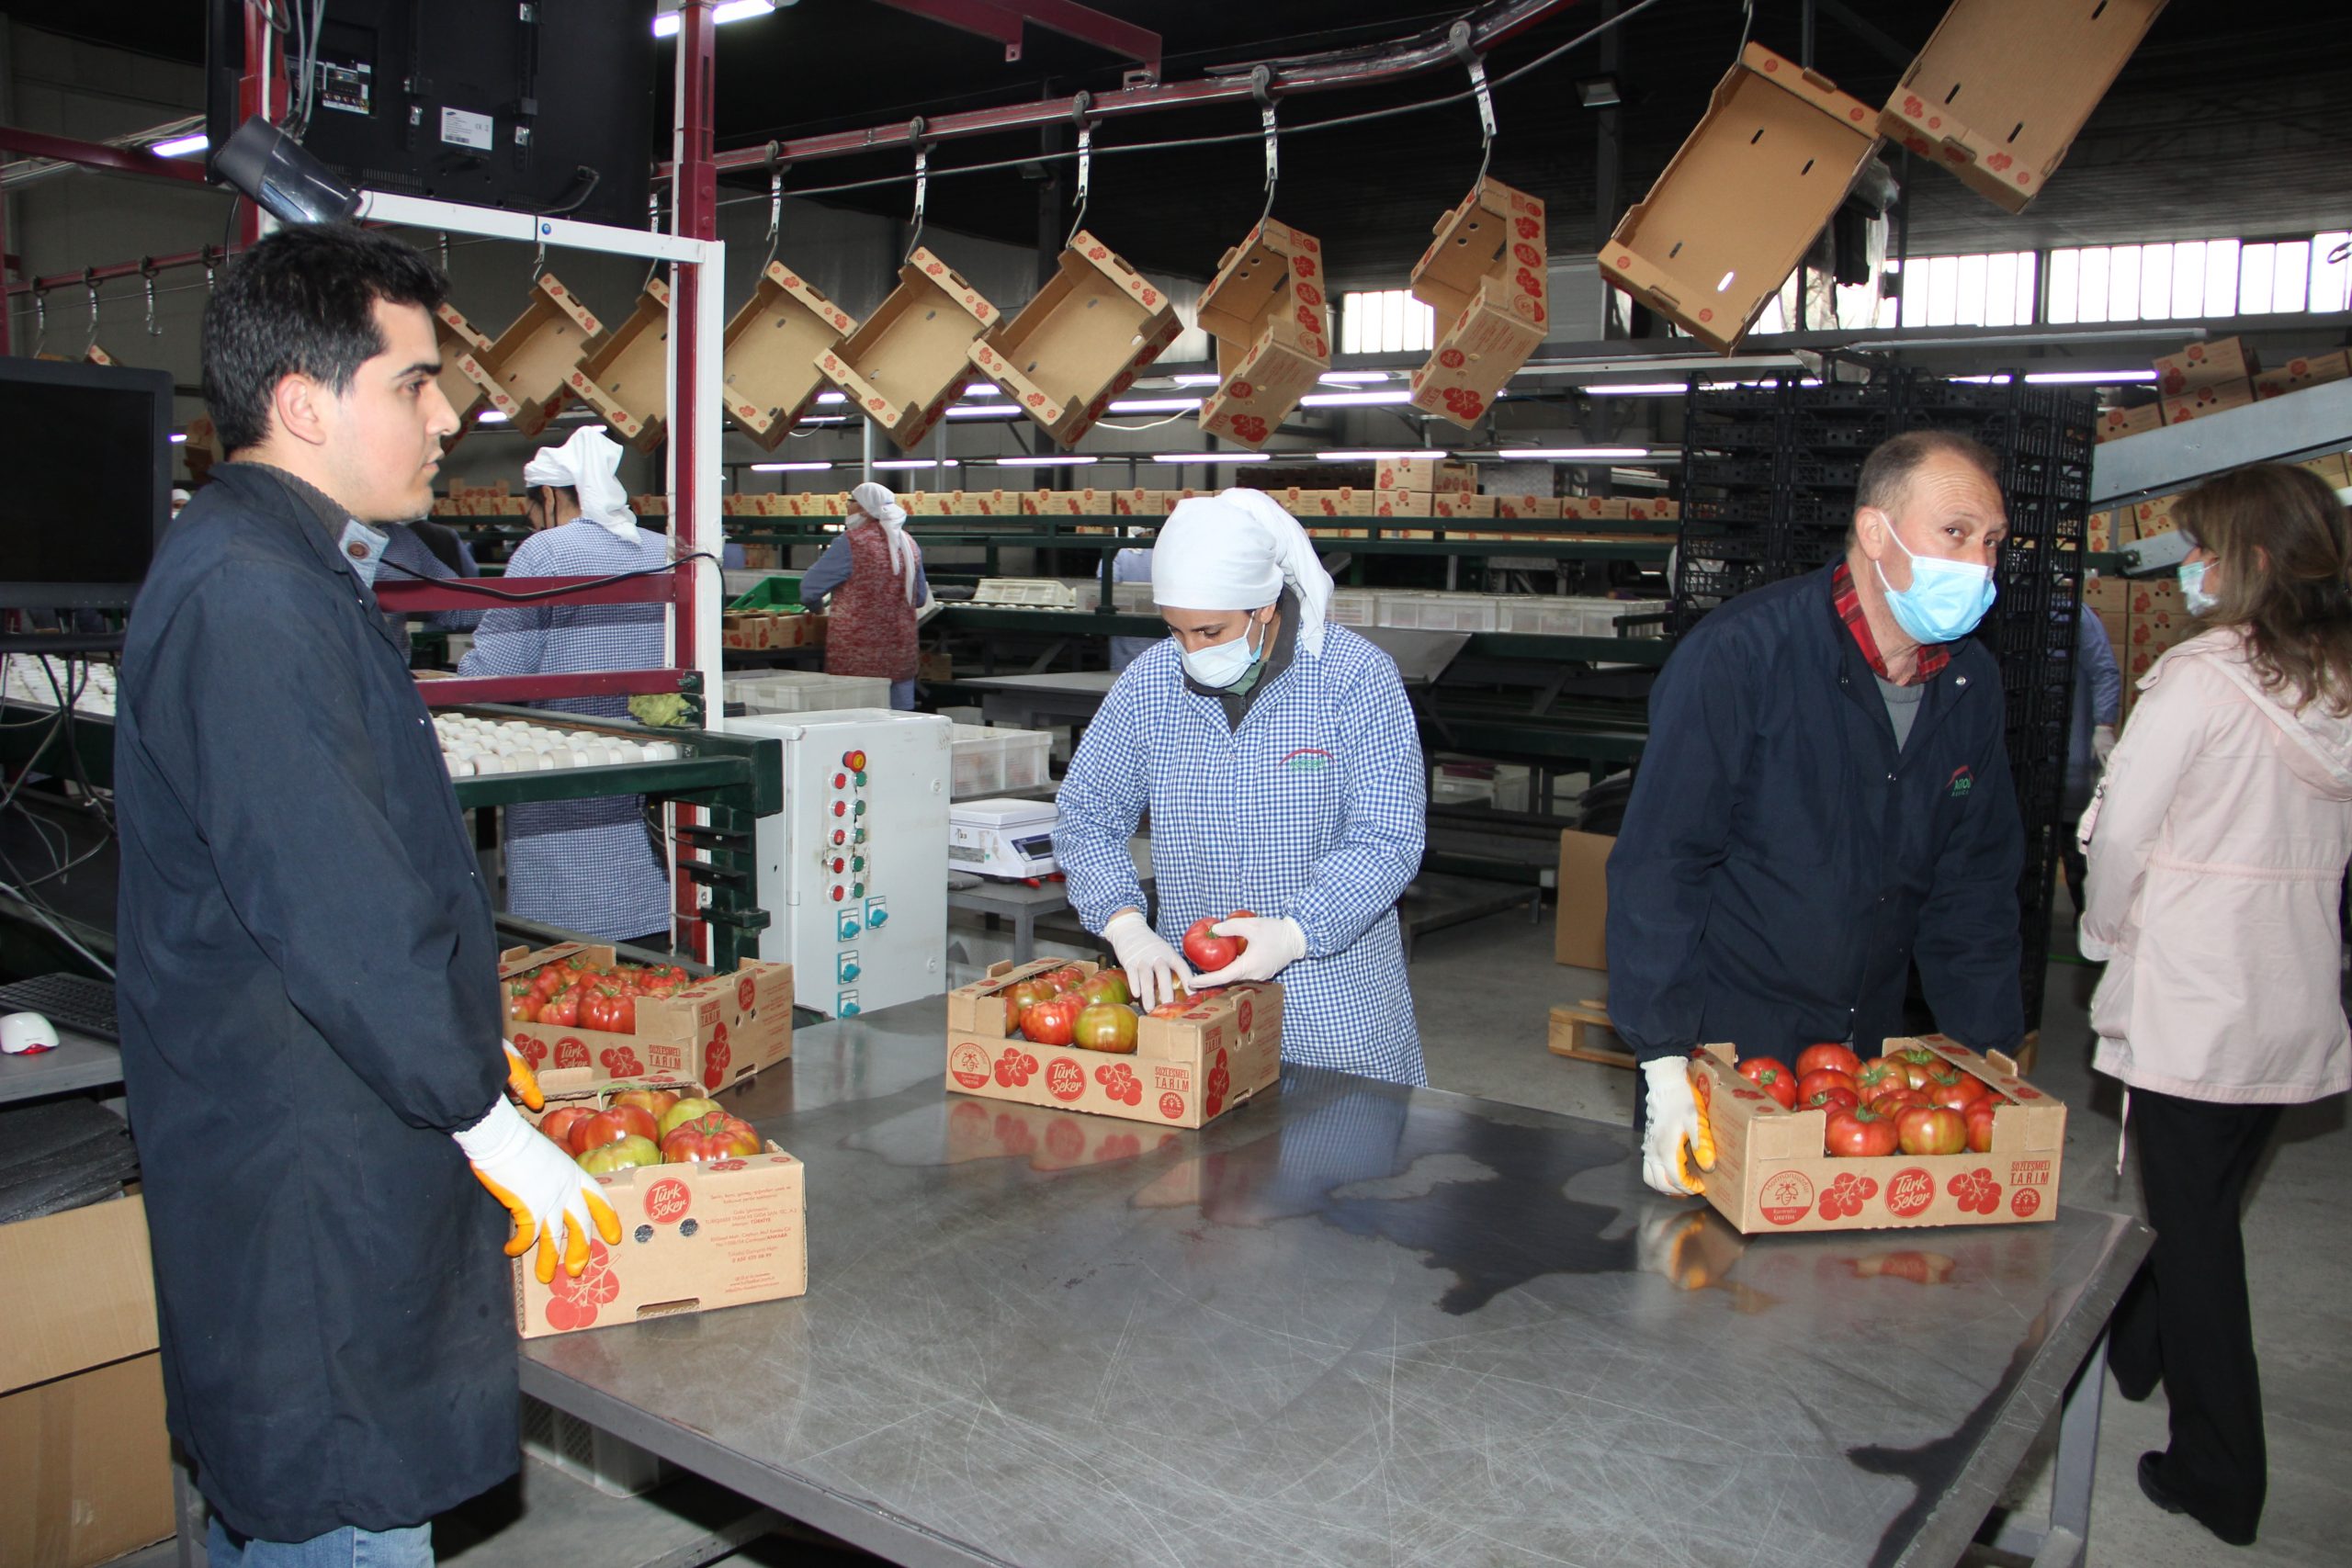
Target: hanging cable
{"points": [[147, 276], [1746, 25], [1078, 106], [90, 282], [654, 222], [923, 183], [41, 319], [776, 209]]}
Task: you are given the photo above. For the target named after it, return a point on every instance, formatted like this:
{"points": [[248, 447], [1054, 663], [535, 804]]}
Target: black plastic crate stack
{"points": [[1769, 474]]}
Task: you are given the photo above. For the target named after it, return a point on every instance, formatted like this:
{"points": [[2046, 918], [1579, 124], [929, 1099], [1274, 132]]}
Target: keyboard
{"points": [[68, 1002]]}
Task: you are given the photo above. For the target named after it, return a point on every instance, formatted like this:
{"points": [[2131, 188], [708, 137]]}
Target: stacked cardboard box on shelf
{"points": [[2205, 378], [2303, 370]]}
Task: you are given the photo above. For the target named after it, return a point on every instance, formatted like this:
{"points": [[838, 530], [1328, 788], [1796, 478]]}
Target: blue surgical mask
{"points": [[1946, 598], [2192, 587], [1222, 665], [363, 548]]}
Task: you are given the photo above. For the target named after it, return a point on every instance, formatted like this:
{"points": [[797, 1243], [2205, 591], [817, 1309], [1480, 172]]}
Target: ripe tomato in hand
{"points": [[1052, 1022], [1814, 1082], [1772, 1074], [1813, 1058], [1931, 1129], [1209, 953], [1856, 1135]]}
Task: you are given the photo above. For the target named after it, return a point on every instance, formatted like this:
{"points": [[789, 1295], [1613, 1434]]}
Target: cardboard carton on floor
{"points": [[2303, 370], [1483, 275], [526, 371], [1742, 200], [1771, 1173], [2212, 364], [1081, 341], [770, 354], [695, 1238], [627, 377], [910, 358], [1267, 310], [2002, 87], [2217, 397], [2114, 424], [1581, 929], [82, 1438], [1187, 1070], [713, 1031]]}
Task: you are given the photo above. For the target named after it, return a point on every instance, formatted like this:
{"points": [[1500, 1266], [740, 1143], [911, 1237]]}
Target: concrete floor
{"points": [[1484, 994]]}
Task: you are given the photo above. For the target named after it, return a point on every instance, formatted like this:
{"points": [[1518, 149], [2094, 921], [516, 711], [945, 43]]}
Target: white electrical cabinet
{"points": [[853, 872]]}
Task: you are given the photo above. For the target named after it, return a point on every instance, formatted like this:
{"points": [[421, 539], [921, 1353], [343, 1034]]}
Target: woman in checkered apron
{"points": [[1280, 768]]}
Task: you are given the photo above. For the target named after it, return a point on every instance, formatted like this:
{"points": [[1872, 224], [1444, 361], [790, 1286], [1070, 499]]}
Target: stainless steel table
{"points": [[1347, 1323], [80, 1060]]}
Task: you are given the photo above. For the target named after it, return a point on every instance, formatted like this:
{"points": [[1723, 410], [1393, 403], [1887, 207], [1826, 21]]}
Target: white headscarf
{"points": [[590, 463], [1237, 551], [878, 502]]}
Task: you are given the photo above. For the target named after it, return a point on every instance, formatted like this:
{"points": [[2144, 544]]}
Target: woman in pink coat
{"points": [[2217, 845]]}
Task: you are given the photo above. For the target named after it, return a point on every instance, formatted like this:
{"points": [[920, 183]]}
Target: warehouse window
{"points": [[1389, 320], [2196, 277], [1990, 290]]}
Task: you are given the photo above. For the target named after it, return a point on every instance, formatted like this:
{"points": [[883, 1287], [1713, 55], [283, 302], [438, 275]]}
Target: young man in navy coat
{"points": [[1825, 801]]}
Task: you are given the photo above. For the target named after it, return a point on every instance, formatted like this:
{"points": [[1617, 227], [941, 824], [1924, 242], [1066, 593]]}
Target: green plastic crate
{"points": [[781, 592]]}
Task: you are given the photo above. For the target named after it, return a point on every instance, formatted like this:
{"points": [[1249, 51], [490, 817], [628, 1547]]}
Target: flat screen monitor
{"points": [[85, 482]]}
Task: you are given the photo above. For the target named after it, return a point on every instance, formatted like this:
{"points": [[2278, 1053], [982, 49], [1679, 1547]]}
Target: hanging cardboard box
{"points": [[1081, 341], [2199, 402], [2303, 370], [2204, 364], [2114, 424], [911, 359], [626, 378], [1733, 214], [1483, 275], [771, 353], [527, 371], [2004, 85], [458, 338], [1272, 321]]}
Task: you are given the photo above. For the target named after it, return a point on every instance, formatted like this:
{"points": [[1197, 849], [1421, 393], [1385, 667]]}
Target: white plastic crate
{"points": [[1353, 607], [1541, 615], [805, 690], [1503, 787], [1027, 594], [1438, 612], [1132, 596], [992, 761], [616, 1469]]}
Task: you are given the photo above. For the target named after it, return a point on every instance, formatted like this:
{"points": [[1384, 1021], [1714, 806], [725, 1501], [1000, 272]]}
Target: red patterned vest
{"points": [[871, 628]]}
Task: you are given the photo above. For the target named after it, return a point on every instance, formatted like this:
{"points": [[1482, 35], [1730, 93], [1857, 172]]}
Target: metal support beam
{"points": [[1002, 20], [99, 155]]}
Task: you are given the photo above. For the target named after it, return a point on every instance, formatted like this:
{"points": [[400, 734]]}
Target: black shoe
{"points": [[2152, 1486]]}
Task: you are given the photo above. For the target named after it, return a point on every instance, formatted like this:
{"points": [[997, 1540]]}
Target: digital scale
{"points": [[1009, 840]]}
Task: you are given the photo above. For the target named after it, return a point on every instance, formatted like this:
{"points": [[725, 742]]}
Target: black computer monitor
{"points": [[85, 482]]}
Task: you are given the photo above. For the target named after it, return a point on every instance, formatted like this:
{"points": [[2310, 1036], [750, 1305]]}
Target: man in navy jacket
{"points": [[1825, 801]]}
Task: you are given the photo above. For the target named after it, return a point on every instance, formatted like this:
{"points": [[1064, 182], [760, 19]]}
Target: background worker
{"points": [[308, 976], [871, 581], [1282, 769], [2090, 736], [584, 866], [1825, 801]]}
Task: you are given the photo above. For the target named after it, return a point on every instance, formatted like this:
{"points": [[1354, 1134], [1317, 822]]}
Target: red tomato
{"points": [[1107, 985], [715, 1136], [1052, 1022], [1931, 1129], [1814, 1082], [1207, 953], [1106, 1026], [562, 1011], [1856, 1135], [1830, 1098], [1879, 1074], [625, 1013], [611, 1125], [654, 1103], [1032, 991], [524, 1008], [558, 1124], [1952, 1088], [596, 1010], [1772, 1074], [1895, 1102], [1814, 1057], [1172, 1009], [1979, 1117], [1067, 979], [547, 981]]}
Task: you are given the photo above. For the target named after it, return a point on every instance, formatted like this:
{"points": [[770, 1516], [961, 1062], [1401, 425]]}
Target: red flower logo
{"points": [[620, 1061], [570, 1052], [1529, 283], [572, 1304], [1303, 265], [745, 990], [1843, 1199], [531, 1050], [935, 268], [1463, 403], [1308, 318], [1249, 427], [1125, 379], [877, 404], [1150, 296], [1035, 398], [1119, 1081], [1311, 295], [1012, 1069], [1528, 227], [1977, 1191], [1097, 253], [1451, 358]]}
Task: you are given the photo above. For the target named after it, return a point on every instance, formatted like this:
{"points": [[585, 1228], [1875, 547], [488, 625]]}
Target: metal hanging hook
{"points": [[1078, 108], [445, 253], [147, 276], [1261, 81], [539, 258], [90, 282], [915, 128], [212, 262], [1457, 38], [654, 222], [41, 319], [776, 206]]}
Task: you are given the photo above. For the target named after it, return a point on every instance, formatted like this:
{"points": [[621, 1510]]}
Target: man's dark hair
{"points": [[302, 302], [1888, 471]]}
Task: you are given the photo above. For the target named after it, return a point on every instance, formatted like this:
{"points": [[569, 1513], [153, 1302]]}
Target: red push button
{"points": [[840, 837], [853, 761], [837, 893], [840, 781], [838, 866], [840, 809]]}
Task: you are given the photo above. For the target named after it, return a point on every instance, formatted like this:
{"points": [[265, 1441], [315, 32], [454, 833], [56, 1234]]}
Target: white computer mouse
{"points": [[22, 1034]]}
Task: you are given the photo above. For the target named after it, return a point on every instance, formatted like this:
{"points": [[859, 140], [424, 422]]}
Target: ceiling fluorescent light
{"points": [[489, 416], [1352, 378], [790, 467], [1195, 381], [1154, 405], [178, 436], [1370, 456], [1572, 454], [665, 25], [985, 411], [1211, 457], [916, 463], [1636, 389], [832, 397], [181, 146], [1355, 399], [1062, 461], [2085, 378]]}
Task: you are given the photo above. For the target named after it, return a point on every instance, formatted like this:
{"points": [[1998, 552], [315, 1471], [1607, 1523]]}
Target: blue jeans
{"points": [[349, 1547], [902, 696]]}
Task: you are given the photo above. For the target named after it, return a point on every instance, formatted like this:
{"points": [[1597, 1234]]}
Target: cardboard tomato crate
{"points": [[1735, 211], [527, 369], [1528, 507], [2302, 370], [1403, 503], [695, 1238], [2216, 397], [713, 1031], [1185, 1071], [2114, 424], [1427, 475], [911, 359], [2003, 86], [457, 337], [1081, 341], [1269, 312], [1485, 275], [1460, 504], [627, 377], [1770, 1173], [2215, 363], [771, 350]]}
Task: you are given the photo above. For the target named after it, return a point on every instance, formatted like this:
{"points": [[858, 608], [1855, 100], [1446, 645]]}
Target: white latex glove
{"points": [[552, 1200], [1154, 968], [2102, 742], [1673, 1117], [1275, 943]]}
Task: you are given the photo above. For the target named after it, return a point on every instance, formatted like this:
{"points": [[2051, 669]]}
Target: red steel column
{"points": [[694, 215], [260, 91]]}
